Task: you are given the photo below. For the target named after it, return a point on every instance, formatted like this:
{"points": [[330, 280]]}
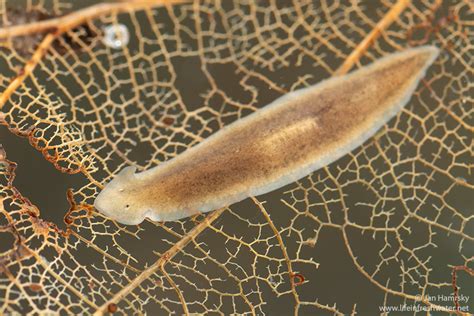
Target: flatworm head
{"points": [[117, 196]]}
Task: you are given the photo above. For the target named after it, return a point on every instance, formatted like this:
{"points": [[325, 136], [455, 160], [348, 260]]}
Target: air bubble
{"points": [[116, 36]]}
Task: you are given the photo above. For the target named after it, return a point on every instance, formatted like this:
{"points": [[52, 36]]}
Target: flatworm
{"points": [[288, 139]]}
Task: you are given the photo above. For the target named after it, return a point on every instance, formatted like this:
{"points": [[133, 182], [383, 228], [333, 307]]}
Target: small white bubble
{"points": [[116, 36]]}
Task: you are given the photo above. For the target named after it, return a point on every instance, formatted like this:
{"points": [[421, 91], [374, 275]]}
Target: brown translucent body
{"points": [[279, 144]]}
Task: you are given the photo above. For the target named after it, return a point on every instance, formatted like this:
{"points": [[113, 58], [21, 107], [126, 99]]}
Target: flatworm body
{"points": [[288, 139]]}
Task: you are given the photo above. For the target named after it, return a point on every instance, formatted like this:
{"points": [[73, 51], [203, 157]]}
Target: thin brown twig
{"points": [[161, 262], [61, 25], [383, 24], [71, 20]]}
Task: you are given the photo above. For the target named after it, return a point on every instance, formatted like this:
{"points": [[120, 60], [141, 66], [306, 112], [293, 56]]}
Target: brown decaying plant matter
{"points": [[393, 203]]}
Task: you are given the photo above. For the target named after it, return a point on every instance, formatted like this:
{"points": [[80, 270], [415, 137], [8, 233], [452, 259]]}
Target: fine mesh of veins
{"points": [[392, 219]]}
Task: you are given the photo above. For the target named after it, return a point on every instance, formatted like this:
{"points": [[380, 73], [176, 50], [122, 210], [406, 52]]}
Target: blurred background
{"points": [[379, 227]]}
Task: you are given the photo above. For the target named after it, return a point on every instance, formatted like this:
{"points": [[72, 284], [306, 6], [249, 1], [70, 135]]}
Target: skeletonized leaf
{"points": [[392, 220]]}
